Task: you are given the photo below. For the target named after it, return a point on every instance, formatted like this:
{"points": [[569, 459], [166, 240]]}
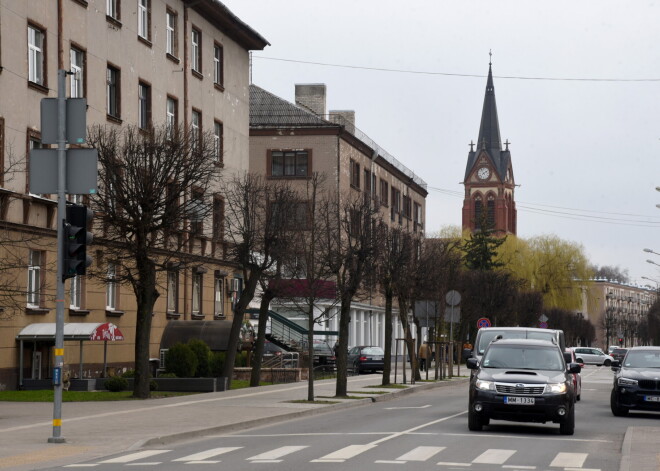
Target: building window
{"points": [[289, 163], [144, 105], [384, 193], [197, 283], [196, 50], [218, 217], [76, 292], [34, 278], [112, 91], [196, 128], [172, 291], [111, 288], [144, 14], [417, 216], [491, 211], [36, 55], [171, 116], [112, 8], [478, 210], [78, 72], [290, 215], [218, 142], [396, 204], [218, 68], [355, 174], [171, 43], [196, 212], [34, 142], [218, 296], [407, 207]]}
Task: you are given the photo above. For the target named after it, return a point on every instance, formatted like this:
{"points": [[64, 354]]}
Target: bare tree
{"points": [[258, 218], [154, 187], [349, 246]]}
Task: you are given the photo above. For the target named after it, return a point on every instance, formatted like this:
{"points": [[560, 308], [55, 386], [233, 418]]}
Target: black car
{"points": [[618, 354], [366, 358], [324, 357], [522, 380], [636, 381]]}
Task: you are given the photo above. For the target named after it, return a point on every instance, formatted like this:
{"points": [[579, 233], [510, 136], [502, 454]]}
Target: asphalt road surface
{"points": [[425, 430]]}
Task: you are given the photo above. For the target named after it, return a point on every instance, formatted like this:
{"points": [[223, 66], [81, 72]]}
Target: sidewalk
{"points": [[97, 429]]}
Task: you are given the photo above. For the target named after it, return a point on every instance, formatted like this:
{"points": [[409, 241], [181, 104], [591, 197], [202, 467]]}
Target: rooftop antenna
{"points": [[490, 60]]}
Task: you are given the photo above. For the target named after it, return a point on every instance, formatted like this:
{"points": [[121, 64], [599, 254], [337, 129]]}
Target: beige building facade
{"points": [[291, 141], [137, 62]]}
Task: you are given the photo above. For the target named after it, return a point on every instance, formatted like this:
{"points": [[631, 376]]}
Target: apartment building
{"points": [[290, 141], [137, 62], [617, 311]]}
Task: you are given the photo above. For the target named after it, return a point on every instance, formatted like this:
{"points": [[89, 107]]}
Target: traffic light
{"points": [[620, 341], [76, 238]]}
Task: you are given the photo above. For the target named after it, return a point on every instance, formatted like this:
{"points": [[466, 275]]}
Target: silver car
{"points": [[592, 356]]}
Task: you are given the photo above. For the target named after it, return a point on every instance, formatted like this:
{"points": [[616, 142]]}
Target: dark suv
{"points": [[636, 381], [522, 380]]}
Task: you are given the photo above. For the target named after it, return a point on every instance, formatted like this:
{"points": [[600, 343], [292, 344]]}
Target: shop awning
{"points": [[72, 331]]}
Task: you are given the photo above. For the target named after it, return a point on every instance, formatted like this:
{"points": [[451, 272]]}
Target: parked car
{"points": [[592, 356], [618, 354], [610, 348], [636, 381], [272, 350], [366, 358], [324, 357], [569, 356], [524, 381]]}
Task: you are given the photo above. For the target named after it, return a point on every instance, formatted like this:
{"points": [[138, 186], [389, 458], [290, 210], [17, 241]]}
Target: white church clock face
{"points": [[483, 173]]}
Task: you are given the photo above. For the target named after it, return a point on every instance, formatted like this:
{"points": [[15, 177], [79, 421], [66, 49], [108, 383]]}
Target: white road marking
{"points": [[414, 429], [274, 455], [389, 462], [345, 453], [421, 453], [135, 456], [202, 456], [522, 437], [494, 456], [569, 460], [411, 407], [145, 463], [513, 466], [450, 463], [83, 465]]}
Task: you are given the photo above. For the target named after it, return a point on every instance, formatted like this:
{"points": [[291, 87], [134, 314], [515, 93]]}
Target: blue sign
{"points": [[483, 322], [543, 325], [57, 375]]}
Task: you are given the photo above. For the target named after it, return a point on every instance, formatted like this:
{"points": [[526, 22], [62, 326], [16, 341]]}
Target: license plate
{"points": [[376, 358], [526, 401], [652, 398]]}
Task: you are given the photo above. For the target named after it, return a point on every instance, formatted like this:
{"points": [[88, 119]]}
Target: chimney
{"points": [[312, 97], [345, 118]]}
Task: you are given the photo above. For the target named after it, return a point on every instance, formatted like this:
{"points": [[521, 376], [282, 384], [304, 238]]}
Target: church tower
{"points": [[489, 183]]}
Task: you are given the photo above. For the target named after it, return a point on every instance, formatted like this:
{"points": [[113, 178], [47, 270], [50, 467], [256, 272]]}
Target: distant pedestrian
{"points": [[424, 355]]}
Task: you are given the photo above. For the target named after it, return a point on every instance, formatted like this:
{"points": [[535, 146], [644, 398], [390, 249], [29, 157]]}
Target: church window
{"points": [[478, 210], [491, 211]]}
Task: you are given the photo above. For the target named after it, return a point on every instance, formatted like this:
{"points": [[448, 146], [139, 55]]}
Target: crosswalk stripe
{"points": [[421, 453], [135, 456], [494, 456], [345, 453], [204, 455], [277, 453], [568, 460]]}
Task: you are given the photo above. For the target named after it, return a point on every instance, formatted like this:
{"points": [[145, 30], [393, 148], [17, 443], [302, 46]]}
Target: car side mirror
{"points": [[472, 363], [616, 365], [568, 358], [574, 368]]}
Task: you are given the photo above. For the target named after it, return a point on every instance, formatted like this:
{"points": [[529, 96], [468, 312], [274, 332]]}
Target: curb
{"points": [[625, 450], [184, 436]]}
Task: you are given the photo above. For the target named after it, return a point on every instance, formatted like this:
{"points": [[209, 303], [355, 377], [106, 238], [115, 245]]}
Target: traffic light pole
{"points": [[59, 298]]}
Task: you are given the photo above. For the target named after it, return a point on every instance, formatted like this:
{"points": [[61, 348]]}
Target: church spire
{"points": [[489, 130]]}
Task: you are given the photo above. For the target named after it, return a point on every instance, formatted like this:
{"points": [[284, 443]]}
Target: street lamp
{"points": [[657, 283], [651, 251], [652, 262]]}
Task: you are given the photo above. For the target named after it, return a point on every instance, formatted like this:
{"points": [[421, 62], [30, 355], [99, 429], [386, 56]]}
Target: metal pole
{"points": [[61, 216]]}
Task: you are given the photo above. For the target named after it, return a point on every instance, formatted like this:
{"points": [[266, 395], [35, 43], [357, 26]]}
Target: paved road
{"points": [[427, 430]]}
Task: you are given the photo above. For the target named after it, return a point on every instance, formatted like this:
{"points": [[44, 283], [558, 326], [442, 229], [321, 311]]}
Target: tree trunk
{"points": [[235, 332], [146, 296], [410, 342], [255, 375], [342, 356], [310, 351], [387, 366]]}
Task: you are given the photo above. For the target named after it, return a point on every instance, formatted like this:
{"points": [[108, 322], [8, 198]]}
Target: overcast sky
{"points": [[577, 87]]}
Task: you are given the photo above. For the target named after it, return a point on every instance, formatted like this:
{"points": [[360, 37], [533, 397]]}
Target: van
{"points": [[485, 335]]}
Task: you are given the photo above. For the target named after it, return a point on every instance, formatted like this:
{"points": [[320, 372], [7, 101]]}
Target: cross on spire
{"points": [[490, 60], [471, 146], [506, 143]]}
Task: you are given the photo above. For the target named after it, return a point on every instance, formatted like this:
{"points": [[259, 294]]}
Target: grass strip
{"points": [[79, 396], [389, 386]]}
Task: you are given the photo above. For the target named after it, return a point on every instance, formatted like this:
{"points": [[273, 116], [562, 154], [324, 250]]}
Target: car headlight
{"points": [[485, 385], [626, 382], [556, 388]]}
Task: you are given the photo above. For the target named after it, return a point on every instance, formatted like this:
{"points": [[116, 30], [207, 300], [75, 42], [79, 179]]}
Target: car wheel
{"points": [[578, 397], [475, 423], [617, 410], [567, 427], [578, 360], [356, 368], [607, 362]]}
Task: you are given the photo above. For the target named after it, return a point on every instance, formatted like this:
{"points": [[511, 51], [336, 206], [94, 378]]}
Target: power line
{"points": [[455, 74]]}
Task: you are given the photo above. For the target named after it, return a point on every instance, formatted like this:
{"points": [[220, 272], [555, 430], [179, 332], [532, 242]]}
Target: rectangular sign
{"points": [[76, 120], [81, 171]]}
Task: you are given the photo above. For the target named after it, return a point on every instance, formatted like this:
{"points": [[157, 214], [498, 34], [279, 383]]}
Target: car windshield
{"points": [[489, 336], [642, 359], [372, 351], [322, 347], [523, 357]]}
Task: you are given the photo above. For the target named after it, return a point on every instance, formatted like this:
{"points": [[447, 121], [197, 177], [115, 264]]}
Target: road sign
{"points": [[483, 322], [453, 314], [453, 298], [543, 318], [543, 325]]}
